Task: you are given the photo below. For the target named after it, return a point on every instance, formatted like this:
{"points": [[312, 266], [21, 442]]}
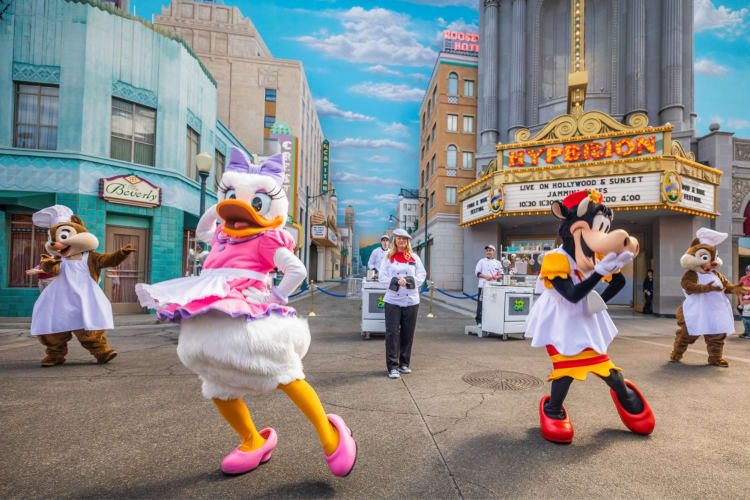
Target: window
{"points": [[468, 88], [434, 132], [133, 132], [468, 124], [429, 108], [219, 160], [432, 199], [424, 122], [427, 172], [26, 247], [269, 120], [450, 195], [192, 149], [432, 165], [434, 96], [422, 157], [467, 160], [453, 84], [270, 95], [36, 116], [452, 123], [451, 156]]}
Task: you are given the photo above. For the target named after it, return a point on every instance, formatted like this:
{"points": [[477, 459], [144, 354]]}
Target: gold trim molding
{"points": [[588, 124]]}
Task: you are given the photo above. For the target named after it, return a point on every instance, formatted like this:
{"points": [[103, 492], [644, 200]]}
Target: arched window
{"points": [[451, 156], [453, 84]]}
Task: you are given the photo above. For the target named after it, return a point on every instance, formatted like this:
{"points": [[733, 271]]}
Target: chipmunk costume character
{"points": [[73, 303], [706, 310], [570, 318], [239, 338]]}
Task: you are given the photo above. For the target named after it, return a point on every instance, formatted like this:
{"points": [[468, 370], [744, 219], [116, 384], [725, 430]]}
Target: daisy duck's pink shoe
{"points": [[341, 462], [239, 462]]}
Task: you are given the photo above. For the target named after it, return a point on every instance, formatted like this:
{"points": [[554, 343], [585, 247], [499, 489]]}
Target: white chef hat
{"points": [[710, 237], [48, 217]]}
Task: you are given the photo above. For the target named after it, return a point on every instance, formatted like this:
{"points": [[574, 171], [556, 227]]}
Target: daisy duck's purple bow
{"points": [[272, 167]]}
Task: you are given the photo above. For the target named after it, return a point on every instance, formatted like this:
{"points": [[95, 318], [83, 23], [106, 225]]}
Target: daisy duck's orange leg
{"points": [[336, 438], [237, 415]]}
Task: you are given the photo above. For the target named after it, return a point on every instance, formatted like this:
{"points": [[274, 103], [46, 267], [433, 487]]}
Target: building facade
{"points": [[407, 209], [598, 93], [255, 91], [447, 146], [105, 115]]}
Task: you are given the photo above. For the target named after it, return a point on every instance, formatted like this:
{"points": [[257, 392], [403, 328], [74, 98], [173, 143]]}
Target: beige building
{"points": [[255, 90], [447, 161]]}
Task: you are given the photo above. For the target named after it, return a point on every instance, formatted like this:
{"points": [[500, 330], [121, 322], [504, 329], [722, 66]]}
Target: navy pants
{"points": [[400, 323]]}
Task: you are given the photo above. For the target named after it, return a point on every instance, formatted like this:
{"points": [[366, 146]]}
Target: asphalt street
{"points": [[464, 424]]}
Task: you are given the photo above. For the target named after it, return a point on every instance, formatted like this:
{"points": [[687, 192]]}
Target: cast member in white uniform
{"points": [[488, 268], [377, 255]]}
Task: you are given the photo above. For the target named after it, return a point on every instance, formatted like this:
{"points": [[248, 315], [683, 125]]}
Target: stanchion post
{"points": [[432, 291], [312, 299]]}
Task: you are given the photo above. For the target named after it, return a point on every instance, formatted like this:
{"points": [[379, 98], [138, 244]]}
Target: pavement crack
{"points": [[434, 441], [374, 410]]}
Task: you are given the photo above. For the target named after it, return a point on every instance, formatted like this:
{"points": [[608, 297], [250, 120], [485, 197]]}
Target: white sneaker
{"points": [[404, 369], [393, 374]]}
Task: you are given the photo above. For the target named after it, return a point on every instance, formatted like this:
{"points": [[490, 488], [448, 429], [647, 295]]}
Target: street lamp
{"points": [[203, 161], [426, 216], [332, 195]]}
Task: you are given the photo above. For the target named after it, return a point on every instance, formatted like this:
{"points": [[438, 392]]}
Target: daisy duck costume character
{"points": [[239, 338], [570, 318]]}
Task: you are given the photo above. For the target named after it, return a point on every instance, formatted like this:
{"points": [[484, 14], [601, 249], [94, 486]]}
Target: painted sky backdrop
{"points": [[367, 64]]}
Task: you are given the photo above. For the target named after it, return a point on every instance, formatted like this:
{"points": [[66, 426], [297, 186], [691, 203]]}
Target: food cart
{"points": [[373, 308]]}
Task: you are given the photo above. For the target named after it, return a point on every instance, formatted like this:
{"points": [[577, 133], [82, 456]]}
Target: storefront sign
{"points": [[130, 190], [318, 231], [288, 144], [332, 236], [572, 153], [458, 41], [476, 207], [697, 195], [620, 190], [325, 150]]}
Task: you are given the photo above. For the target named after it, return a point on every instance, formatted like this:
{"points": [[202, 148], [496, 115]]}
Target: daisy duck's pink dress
{"points": [[233, 280]]}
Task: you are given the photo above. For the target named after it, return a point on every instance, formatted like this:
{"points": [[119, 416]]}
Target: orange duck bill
{"points": [[240, 219]]}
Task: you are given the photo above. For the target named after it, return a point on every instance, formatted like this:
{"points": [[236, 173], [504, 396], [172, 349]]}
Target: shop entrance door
{"points": [[119, 282]]}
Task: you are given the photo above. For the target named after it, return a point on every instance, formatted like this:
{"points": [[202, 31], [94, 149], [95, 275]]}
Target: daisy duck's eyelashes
{"points": [[227, 192]]}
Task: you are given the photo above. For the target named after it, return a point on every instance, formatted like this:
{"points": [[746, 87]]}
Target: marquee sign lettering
{"points": [[288, 144], [572, 153], [698, 195], [325, 150], [459, 41], [475, 207], [130, 190]]}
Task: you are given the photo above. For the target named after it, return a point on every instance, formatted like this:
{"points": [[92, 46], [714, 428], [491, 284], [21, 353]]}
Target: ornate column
{"points": [[518, 68], [488, 77], [635, 86], [671, 109]]}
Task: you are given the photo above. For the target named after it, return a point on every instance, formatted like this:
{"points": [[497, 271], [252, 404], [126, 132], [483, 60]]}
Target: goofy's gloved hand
{"points": [[613, 262]]}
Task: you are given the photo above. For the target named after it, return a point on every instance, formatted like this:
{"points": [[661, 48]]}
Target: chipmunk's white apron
{"points": [[708, 313]]}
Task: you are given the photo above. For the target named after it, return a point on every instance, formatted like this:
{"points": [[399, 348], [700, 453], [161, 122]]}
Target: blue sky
{"points": [[367, 64]]}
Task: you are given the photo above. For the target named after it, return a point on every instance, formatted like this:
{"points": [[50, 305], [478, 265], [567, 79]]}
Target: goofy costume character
{"points": [[570, 318]]}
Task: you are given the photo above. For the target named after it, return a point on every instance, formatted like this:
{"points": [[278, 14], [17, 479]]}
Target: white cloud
{"points": [[419, 77], [358, 190], [324, 107], [710, 68], [377, 36], [386, 198], [735, 123], [396, 128], [353, 202], [349, 178], [373, 212], [382, 70], [708, 17], [472, 4], [379, 159], [359, 143], [389, 91]]}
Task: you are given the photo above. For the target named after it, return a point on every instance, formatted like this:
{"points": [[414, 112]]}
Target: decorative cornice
{"points": [[194, 122], [584, 125], [36, 73], [134, 94]]}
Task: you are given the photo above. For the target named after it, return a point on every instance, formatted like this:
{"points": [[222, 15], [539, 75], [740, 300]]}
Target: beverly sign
{"points": [[130, 190], [572, 153]]}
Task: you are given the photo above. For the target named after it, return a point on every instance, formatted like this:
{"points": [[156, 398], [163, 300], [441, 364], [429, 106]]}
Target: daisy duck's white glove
{"points": [[613, 262], [207, 225]]}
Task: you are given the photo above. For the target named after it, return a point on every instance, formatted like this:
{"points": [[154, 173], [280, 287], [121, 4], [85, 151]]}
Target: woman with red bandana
{"points": [[402, 271]]}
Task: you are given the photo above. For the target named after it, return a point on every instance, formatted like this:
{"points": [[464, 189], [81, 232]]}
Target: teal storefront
{"points": [[98, 99]]}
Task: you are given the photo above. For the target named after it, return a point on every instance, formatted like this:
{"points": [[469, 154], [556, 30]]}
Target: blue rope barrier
{"points": [[303, 290], [455, 296], [329, 293]]}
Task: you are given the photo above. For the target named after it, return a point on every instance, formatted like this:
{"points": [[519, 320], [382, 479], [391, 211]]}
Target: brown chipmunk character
{"points": [[706, 310], [73, 303]]}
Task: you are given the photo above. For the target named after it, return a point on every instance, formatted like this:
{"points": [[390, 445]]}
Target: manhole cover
{"points": [[501, 380]]}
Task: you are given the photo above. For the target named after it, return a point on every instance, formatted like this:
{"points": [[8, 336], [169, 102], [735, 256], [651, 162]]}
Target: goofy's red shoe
{"points": [[557, 431], [642, 423]]}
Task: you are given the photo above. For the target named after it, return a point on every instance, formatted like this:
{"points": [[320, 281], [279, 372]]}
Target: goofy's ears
{"points": [[559, 210]]}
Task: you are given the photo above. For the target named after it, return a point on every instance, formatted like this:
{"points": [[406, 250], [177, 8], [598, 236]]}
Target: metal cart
{"points": [[373, 308]]}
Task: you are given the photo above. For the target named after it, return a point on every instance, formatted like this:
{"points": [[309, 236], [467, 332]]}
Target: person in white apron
{"points": [[706, 310], [73, 303]]}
